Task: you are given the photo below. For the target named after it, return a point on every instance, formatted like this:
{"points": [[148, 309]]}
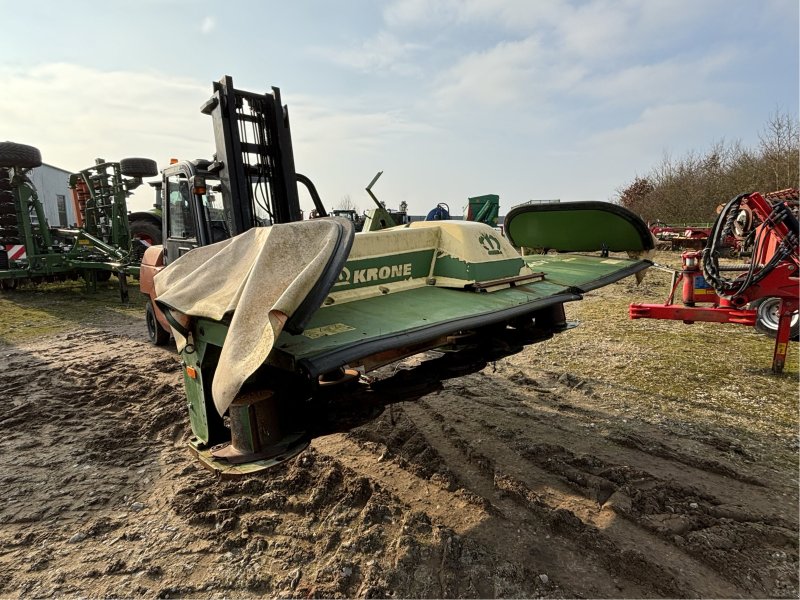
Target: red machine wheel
{"points": [[767, 318]]}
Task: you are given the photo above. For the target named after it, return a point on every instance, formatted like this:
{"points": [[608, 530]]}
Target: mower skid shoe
{"points": [[225, 469]]}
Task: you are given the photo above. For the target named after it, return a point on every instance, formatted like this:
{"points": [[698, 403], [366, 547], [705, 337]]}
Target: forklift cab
{"points": [[251, 182], [193, 211]]}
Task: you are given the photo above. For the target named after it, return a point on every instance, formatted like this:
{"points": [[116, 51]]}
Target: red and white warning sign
{"points": [[15, 252]]}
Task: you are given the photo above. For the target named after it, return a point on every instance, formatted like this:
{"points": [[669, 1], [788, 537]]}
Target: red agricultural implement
{"points": [[762, 292], [676, 237]]}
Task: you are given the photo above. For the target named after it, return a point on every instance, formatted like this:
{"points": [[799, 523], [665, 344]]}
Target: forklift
{"points": [[450, 296]]}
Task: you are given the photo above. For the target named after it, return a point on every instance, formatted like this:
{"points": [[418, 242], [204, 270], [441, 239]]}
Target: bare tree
{"points": [[688, 189], [780, 149], [347, 203]]}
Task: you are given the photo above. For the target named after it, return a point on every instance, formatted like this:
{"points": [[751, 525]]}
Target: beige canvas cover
{"points": [[263, 275]]}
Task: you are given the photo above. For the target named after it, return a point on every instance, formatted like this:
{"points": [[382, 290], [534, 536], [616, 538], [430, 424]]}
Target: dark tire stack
{"points": [[138, 167], [18, 156], [9, 231]]}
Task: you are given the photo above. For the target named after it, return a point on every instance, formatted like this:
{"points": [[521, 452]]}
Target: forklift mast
{"points": [[254, 159]]}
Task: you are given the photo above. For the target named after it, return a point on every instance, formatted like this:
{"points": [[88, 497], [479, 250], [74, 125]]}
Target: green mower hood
{"points": [[577, 227]]}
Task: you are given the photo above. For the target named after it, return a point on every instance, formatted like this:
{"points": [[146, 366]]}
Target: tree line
{"points": [[689, 189]]}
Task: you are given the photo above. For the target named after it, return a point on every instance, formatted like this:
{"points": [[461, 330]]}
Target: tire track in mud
{"points": [[687, 541], [566, 411], [502, 485], [494, 519], [575, 520], [138, 517], [319, 528]]}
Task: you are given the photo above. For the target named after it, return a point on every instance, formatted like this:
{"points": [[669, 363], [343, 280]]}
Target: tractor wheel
{"points": [[157, 335], [19, 155], [138, 167], [8, 284], [767, 318], [146, 231]]}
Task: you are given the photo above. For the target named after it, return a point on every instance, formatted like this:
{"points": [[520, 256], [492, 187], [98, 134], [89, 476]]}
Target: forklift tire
{"points": [[146, 231], [138, 167], [19, 155], [155, 333], [767, 318]]}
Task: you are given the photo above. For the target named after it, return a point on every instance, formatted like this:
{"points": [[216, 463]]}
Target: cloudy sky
{"points": [[524, 98]]}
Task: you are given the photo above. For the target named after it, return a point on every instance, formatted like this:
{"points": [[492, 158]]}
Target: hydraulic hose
{"points": [[723, 227]]}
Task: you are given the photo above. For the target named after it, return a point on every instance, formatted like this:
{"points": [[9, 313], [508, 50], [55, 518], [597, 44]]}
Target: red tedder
{"points": [[771, 273]]}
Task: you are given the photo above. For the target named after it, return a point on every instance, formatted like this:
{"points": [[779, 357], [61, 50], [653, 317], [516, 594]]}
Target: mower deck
{"points": [[459, 289]]}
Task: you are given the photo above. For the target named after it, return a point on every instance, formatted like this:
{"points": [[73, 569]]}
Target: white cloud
{"points": [[321, 130], [382, 52], [593, 51], [593, 28], [513, 74], [511, 14], [419, 13], [675, 127], [75, 114], [496, 77], [678, 79], [208, 25]]}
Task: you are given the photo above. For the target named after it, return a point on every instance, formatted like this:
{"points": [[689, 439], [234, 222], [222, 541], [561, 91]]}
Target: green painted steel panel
{"points": [[449, 266], [575, 270], [484, 209], [393, 320], [401, 312], [577, 227], [384, 269], [195, 393]]}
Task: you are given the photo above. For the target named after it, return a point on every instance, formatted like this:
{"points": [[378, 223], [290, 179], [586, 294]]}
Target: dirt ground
{"points": [[619, 459]]}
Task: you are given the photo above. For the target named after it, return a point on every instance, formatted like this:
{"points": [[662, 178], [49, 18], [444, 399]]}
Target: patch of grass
{"points": [[702, 376], [35, 311]]}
